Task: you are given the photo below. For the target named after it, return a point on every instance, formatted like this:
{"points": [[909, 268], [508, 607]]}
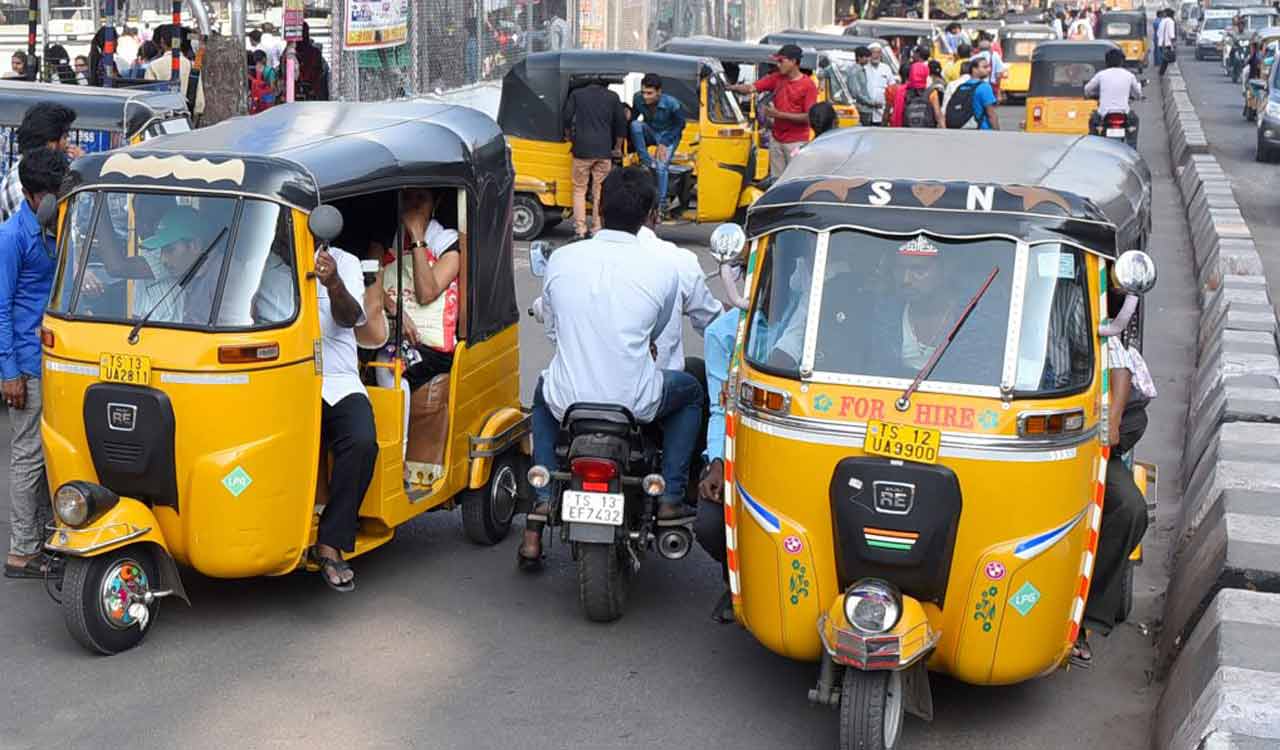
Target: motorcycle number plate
{"points": [[603, 508], [1115, 132]]}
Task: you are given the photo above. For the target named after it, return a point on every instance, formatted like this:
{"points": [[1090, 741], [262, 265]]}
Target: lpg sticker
{"points": [[995, 570], [237, 481], [1025, 598], [793, 545], [985, 610]]}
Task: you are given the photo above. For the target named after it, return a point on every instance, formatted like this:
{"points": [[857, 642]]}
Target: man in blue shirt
{"points": [[27, 259], [984, 97], [662, 126]]}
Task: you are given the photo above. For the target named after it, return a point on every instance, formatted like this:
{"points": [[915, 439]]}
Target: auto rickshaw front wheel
{"points": [[871, 710], [108, 602], [487, 511]]}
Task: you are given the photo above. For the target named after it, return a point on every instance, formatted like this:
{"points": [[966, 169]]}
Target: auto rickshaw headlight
{"points": [[873, 606], [76, 503]]}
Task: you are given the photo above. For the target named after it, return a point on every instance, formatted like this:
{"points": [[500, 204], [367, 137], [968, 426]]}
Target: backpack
{"points": [[960, 108], [918, 112]]}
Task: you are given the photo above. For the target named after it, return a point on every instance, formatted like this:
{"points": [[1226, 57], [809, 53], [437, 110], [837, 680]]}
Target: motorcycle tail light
{"points": [[1116, 120], [593, 469]]}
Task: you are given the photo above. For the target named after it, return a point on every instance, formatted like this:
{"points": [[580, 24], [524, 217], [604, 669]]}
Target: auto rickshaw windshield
{"points": [[888, 302], [124, 254], [1062, 78]]}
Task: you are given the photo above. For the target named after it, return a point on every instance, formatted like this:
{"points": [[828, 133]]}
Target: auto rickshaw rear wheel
{"points": [[871, 710], [488, 510], [604, 576], [528, 217], [104, 599]]}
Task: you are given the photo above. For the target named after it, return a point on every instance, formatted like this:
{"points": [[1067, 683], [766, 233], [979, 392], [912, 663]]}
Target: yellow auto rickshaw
{"points": [[1059, 70], [182, 420], [711, 173], [904, 499], [1132, 32], [1018, 42]]}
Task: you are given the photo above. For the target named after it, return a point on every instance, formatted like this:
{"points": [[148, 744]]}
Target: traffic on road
{"points": [[828, 371]]}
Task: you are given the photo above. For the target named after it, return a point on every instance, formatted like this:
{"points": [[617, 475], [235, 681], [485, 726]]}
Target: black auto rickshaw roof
{"points": [[1124, 15], [305, 153], [1078, 51], [535, 89], [125, 110], [893, 27], [725, 50], [1027, 31], [819, 41], [1080, 189]]}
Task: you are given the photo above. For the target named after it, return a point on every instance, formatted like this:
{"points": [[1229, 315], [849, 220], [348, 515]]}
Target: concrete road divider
{"points": [[1222, 609], [1225, 683]]}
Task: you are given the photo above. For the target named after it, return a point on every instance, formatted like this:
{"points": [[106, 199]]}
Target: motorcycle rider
{"points": [[606, 302], [1114, 86]]}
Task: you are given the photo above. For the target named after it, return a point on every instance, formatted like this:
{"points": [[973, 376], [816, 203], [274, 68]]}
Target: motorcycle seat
{"points": [[605, 419]]}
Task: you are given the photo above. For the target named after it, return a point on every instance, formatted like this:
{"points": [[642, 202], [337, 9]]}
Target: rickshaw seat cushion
{"points": [[429, 421]]}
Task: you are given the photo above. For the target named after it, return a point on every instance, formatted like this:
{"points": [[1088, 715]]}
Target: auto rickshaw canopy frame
{"points": [[308, 153]]}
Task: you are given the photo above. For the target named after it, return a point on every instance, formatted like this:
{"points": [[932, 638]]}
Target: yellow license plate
{"points": [[130, 369], [902, 441]]}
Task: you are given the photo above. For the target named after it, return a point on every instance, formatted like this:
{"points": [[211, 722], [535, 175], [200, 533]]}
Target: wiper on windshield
{"points": [[179, 284], [904, 401]]}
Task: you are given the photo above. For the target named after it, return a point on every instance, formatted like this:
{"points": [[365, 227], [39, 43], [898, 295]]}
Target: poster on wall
{"points": [[591, 18], [292, 19], [375, 24]]}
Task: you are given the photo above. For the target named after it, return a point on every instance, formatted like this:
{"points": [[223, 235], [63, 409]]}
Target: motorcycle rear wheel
{"points": [[604, 576]]}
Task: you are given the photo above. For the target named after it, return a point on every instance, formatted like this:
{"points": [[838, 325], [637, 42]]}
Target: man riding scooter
{"points": [[605, 302], [1113, 87]]}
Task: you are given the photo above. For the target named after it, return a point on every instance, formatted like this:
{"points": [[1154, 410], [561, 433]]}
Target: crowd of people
{"points": [[266, 60]]}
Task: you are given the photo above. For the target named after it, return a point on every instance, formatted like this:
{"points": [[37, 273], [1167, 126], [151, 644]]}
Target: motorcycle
{"points": [[1118, 126], [1236, 58], [605, 492]]}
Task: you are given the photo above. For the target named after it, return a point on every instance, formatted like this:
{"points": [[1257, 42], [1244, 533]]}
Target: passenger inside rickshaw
{"points": [[889, 321], [424, 222], [1073, 75]]}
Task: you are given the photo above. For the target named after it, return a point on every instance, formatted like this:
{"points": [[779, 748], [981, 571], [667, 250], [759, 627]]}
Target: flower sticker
{"points": [[989, 419], [822, 403]]}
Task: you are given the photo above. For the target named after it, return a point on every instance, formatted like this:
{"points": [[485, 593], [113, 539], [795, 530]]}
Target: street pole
{"points": [[175, 42], [108, 44], [33, 63]]}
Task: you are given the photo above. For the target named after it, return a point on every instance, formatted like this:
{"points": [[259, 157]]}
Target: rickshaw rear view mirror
{"points": [[1135, 272], [727, 242], [539, 253], [47, 211], [325, 223]]}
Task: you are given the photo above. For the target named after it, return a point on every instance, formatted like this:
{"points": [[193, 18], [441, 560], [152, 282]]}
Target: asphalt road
{"points": [[445, 645], [1233, 140]]}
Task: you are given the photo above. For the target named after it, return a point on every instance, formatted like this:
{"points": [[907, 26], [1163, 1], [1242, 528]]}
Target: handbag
{"points": [[437, 321], [1170, 54]]}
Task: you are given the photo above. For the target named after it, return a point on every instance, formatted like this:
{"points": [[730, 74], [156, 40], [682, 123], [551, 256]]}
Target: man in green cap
{"points": [[168, 254]]}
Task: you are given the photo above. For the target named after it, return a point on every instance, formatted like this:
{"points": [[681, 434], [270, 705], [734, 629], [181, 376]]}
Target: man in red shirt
{"points": [[794, 93]]}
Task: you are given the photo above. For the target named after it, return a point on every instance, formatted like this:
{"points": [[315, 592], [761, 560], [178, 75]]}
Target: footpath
{"points": [[1217, 649]]}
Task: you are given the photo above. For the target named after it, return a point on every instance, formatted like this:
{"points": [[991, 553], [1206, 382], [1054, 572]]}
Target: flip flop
{"points": [[338, 567]]}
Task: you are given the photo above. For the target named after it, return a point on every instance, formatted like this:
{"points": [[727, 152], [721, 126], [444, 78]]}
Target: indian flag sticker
{"points": [[899, 541]]}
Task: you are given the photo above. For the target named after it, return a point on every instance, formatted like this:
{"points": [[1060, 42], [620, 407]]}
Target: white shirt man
{"points": [[161, 69], [1166, 33], [1113, 87], [1057, 28], [695, 300], [1080, 28], [605, 301], [879, 76], [341, 364]]}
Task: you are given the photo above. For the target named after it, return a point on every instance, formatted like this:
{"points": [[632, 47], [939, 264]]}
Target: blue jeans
{"points": [[642, 137], [679, 412]]}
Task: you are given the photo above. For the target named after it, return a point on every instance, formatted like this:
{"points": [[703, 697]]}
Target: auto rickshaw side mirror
{"points": [[325, 223], [1135, 272], [727, 242], [47, 211], [539, 254]]}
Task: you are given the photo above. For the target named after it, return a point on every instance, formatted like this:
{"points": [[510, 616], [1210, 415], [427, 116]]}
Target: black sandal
{"points": [[329, 565], [38, 567]]}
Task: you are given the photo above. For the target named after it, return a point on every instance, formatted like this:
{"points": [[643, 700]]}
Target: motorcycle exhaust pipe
{"points": [[674, 544]]}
